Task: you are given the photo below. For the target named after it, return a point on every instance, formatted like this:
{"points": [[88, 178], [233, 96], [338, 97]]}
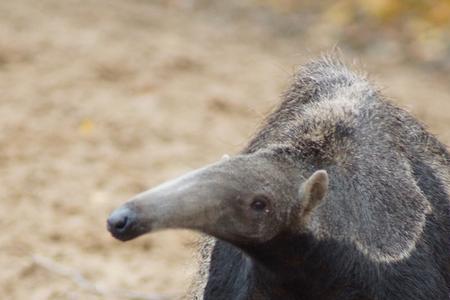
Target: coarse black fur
{"points": [[384, 231]]}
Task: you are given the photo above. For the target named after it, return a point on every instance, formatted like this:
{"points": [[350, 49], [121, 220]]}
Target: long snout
{"points": [[190, 201]]}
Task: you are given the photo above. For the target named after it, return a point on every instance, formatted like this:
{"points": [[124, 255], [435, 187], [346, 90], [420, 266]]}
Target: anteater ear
{"points": [[313, 191]]}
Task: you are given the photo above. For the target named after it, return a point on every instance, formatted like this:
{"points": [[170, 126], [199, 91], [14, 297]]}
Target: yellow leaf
{"points": [[86, 127], [384, 10], [439, 14]]}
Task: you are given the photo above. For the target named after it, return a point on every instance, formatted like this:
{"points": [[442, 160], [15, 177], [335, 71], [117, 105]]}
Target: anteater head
{"points": [[245, 199]]}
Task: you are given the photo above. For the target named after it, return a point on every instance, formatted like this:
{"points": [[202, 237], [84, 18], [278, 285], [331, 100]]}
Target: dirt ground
{"points": [[101, 99]]}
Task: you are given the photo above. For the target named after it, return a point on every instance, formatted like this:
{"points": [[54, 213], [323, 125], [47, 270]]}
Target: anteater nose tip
{"points": [[118, 222]]}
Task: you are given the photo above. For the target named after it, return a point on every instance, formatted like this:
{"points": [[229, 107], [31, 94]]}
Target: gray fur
{"points": [[377, 227], [326, 96]]}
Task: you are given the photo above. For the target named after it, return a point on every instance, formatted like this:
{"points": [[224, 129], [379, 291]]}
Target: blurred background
{"points": [[101, 99]]}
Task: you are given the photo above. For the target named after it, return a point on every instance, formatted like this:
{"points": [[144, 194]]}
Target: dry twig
{"points": [[80, 280]]}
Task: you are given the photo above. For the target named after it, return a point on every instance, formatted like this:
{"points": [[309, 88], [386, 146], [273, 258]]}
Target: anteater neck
{"points": [[284, 268]]}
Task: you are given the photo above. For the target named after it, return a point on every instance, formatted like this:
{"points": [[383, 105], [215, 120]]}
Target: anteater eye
{"points": [[259, 204]]}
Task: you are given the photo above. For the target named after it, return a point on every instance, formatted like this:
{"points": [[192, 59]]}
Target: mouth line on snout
{"points": [[131, 231], [125, 236]]}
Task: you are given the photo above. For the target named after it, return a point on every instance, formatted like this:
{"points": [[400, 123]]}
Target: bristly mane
{"points": [[320, 79], [324, 91]]}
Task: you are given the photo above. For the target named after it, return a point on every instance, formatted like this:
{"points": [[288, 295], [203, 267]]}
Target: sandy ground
{"points": [[102, 99]]}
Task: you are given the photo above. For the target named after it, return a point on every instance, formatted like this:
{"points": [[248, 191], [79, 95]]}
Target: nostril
{"points": [[118, 223], [121, 223]]}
